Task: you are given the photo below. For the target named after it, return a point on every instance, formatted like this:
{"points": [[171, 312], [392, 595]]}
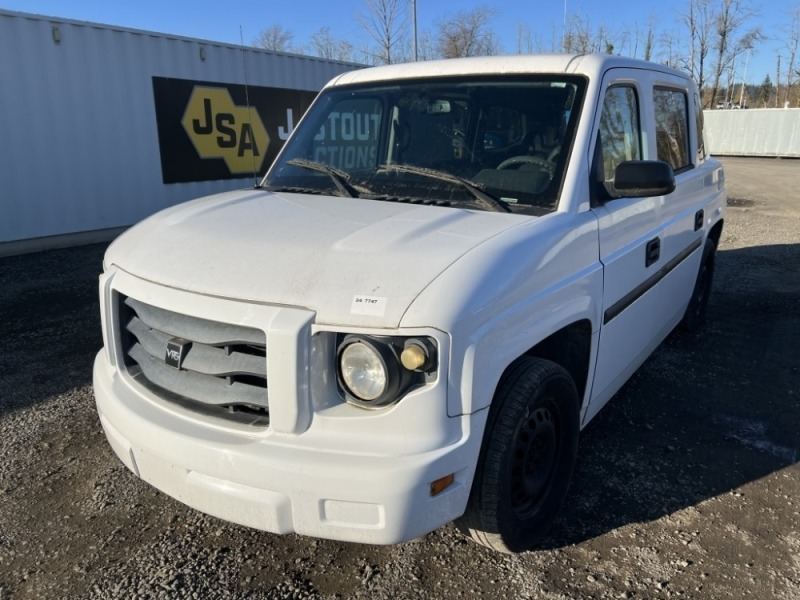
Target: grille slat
{"points": [[201, 358], [223, 368], [202, 388], [203, 331]]}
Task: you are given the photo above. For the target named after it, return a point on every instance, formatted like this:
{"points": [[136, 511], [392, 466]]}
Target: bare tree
{"points": [[426, 46], [606, 39], [641, 38], [556, 40], [578, 37], [528, 42], [628, 41], [386, 22], [524, 39], [325, 45], [729, 42], [581, 37], [669, 53], [467, 34], [276, 38], [650, 39], [792, 30], [699, 21]]}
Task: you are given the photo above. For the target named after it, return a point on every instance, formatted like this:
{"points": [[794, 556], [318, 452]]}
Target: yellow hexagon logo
{"points": [[219, 128]]}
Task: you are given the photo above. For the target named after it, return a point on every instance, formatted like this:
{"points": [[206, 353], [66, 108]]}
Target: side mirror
{"points": [[636, 178]]}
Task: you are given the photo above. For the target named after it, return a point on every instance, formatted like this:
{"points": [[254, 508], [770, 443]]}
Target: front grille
{"points": [[223, 371]]}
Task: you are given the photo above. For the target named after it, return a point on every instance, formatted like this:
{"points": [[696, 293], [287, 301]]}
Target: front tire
{"points": [[527, 457]]}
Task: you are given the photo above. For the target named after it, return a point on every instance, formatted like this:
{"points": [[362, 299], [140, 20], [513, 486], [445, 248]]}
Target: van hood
{"points": [[354, 262]]}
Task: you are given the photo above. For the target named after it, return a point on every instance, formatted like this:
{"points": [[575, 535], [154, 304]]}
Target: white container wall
{"points": [[104, 125], [754, 132]]}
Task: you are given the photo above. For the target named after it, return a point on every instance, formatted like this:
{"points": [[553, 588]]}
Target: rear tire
{"points": [[695, 316], [527, 457]]}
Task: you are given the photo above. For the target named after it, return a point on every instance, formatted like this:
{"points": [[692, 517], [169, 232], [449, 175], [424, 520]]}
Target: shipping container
{"points": [[754, 132], [104, 125]]}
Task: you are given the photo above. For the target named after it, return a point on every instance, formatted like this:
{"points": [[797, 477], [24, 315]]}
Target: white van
{"points": [[447, 272]]}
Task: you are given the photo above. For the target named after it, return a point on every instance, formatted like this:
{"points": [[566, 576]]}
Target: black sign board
{"points": [[209, 131]]}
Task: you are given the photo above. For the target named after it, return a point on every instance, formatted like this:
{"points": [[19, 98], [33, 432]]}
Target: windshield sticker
{"points": [[372, 306]]}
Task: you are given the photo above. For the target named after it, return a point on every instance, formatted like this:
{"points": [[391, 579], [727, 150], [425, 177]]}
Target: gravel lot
{"points": [[687, 485]]}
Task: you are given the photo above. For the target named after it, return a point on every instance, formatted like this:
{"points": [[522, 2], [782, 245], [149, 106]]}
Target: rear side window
{"points": [[619, 129], [672, 127]]}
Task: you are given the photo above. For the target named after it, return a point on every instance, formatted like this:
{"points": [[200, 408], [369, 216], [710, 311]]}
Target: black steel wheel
{"points": [[527, 457], [535, 450]]}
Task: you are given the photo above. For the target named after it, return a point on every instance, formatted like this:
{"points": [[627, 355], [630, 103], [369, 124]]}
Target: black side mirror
{"points": [[635, 178]]}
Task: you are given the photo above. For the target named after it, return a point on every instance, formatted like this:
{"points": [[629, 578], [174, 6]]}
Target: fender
{"points": [[519, 289]]}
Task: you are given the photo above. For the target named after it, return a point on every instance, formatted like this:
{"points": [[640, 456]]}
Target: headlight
{"points": [[363, 371], [375, 371]]}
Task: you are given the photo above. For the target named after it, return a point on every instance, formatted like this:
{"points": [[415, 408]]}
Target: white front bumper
{"points": [[322, 468], [314, 484]]}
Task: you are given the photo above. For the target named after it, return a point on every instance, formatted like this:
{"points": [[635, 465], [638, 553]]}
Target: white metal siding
{"points": [[754, 132], [79, 149]]}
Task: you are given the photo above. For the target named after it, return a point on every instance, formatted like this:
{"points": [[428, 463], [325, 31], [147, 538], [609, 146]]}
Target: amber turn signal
{"points": [[413, 357], [441, 484]]}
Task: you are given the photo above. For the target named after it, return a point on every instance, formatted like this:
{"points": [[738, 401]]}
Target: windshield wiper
{"points": [[293, 189], [340, 179], [482, 197]]}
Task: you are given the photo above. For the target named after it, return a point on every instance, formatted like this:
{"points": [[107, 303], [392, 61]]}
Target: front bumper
{"points": [[315, 484]]}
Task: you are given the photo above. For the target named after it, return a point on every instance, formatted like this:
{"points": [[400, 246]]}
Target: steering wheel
{"points": [[524, 159]]}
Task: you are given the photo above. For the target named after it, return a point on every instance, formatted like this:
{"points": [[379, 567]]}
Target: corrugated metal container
{"points": [[85, 117], [754, 132]]}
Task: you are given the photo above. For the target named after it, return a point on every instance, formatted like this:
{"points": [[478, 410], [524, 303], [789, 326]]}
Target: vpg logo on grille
{"points": [[177, 348]]}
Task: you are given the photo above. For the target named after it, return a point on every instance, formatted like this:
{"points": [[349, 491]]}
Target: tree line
{"points": [[710, 39]]}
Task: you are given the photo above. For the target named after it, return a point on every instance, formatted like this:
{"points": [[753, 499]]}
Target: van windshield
{"points": [[483, 144]]}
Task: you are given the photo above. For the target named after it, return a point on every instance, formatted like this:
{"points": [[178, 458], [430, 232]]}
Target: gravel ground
{"points": [[687, 485]]}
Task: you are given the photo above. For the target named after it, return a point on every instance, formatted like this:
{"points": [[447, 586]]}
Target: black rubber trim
{"points": [[640, 290]]}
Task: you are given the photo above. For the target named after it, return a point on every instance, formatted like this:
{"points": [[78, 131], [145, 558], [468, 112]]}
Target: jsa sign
{"points": [[207, 131], [220, 129]]}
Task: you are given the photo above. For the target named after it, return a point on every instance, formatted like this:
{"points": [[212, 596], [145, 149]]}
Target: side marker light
{"points": [[441, 484]]}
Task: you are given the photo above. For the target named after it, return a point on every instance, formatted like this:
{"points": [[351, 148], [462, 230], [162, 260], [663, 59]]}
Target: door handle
{"points": [[652, 251], [698, 220]]}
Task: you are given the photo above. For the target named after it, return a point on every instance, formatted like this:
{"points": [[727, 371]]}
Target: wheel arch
{"points": [[715, 233], [571, 348]]}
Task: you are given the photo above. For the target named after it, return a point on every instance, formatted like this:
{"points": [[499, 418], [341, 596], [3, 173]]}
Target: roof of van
{"points": [[591, 65]]}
